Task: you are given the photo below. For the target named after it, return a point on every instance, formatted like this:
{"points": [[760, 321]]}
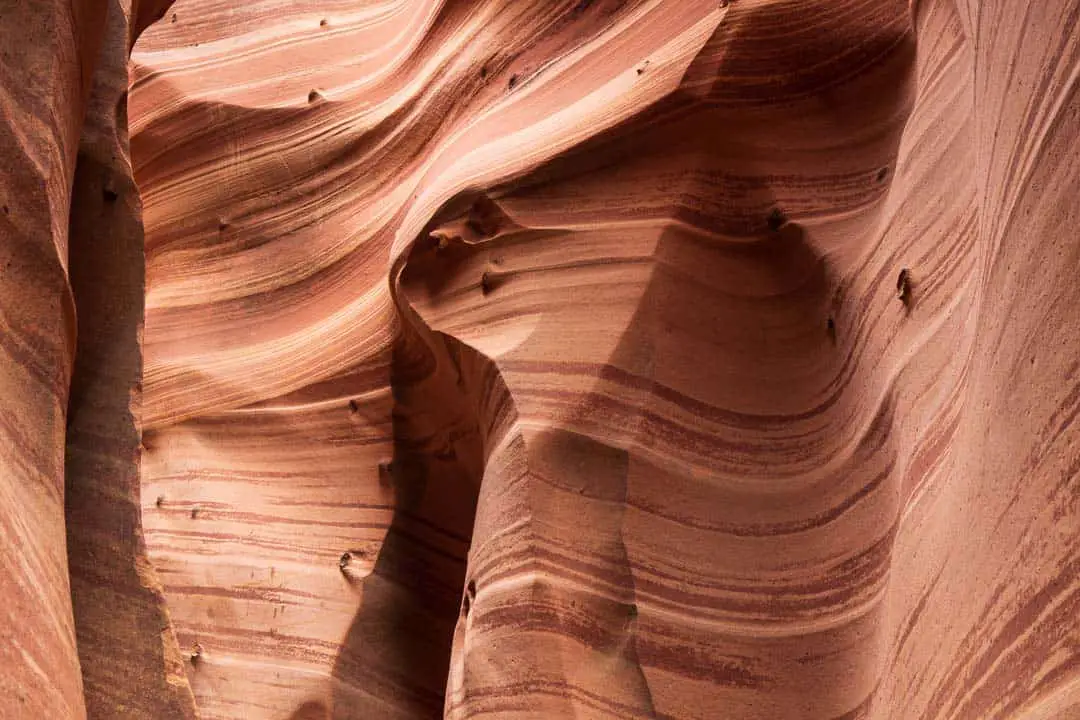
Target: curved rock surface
{"points": [[544, 358]]}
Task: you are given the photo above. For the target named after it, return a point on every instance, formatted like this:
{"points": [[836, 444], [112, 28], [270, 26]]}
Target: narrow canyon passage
{"points": [[540, 359]]}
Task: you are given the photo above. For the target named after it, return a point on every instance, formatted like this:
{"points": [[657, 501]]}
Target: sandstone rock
{"points": [[541, 359]]}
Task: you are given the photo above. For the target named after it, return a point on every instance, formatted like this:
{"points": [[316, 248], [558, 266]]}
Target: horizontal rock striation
{"points": [[540, 359], [686, 323]]}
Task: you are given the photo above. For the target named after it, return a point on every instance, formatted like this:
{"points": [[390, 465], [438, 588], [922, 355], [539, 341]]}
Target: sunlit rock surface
{"points": [[541, 359]]}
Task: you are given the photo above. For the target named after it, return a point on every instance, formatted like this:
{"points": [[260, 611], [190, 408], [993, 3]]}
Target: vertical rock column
{"points": [[691, 481], [46, 54], [131, 664]]}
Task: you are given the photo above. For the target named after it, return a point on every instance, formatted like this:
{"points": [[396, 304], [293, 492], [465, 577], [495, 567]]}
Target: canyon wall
{"points": [[588, 358]]}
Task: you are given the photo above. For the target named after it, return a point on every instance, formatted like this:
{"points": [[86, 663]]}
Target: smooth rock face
{"points": [[131, 664], [43, 89], [85, 632], [540, 359]]}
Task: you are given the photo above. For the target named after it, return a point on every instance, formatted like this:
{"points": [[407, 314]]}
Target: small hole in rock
{"points": [[470, 597], [776, 219], [160, 502], [903, 286], [346, 558], [354, 406], [882, 174], [174, 17], [323, 23], [512, 82], [313, 96], [195, 512], [196, 654]]}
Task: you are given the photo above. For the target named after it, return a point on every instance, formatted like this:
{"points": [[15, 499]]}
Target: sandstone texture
{"points": [[696, 359]]}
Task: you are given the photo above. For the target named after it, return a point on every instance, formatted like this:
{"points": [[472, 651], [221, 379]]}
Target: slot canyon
{"points": [[406, 359]]}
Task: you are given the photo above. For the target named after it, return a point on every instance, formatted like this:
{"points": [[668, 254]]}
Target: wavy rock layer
{"points": [[732, 349], [597, 358], [42, 104], [85, 633]]}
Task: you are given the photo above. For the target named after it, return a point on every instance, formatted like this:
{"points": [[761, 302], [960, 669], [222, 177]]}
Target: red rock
{"points": [[615, 286]]}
